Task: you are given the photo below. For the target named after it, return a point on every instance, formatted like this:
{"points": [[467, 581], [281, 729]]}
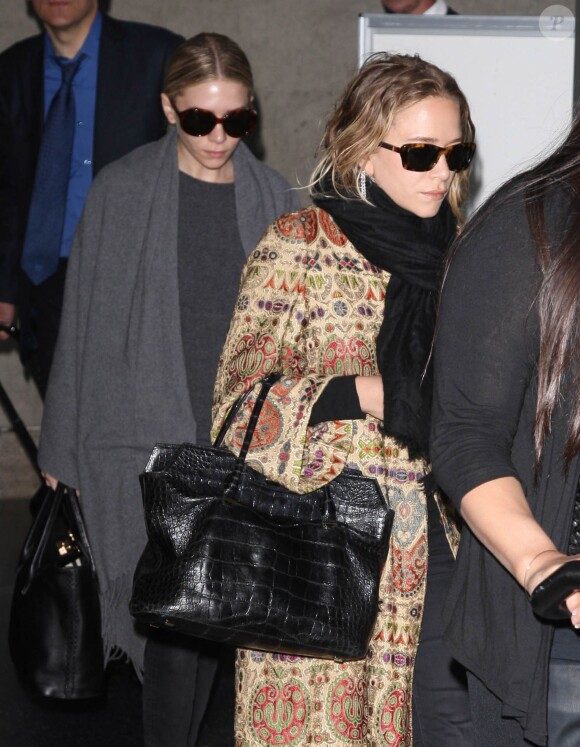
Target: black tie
{"points": [[41, 251]]}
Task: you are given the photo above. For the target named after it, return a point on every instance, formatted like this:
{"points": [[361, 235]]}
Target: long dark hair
{"points": [[558, 299]]}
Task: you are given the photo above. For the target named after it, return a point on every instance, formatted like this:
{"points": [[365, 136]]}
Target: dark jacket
{"points": [[482, 429], [132, 60]]}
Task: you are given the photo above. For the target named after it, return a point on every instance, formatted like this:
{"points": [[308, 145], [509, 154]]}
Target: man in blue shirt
{"points": [[116, 92]]}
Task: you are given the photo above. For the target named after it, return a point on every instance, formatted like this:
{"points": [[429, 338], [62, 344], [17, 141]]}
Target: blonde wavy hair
{"points": [[384, 85]]}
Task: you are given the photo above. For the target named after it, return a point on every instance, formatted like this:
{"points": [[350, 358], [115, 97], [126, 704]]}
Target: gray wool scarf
{"points": [[118, 383]]}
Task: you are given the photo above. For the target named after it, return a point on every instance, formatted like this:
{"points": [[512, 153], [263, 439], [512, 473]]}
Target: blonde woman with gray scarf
{"points": [[151, 285]]}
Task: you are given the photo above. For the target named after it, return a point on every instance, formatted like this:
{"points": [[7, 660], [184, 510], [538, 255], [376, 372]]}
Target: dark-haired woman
{"points": [[151, 284], [505, 447], [334, 296]]}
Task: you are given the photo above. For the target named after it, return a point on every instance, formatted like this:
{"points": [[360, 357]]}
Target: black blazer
{"points": [[132, 60]]}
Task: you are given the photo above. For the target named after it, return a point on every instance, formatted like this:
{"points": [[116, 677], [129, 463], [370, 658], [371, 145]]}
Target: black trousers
{"points": [[40, 308], [441, 713], [491, 730], [178, 677]]}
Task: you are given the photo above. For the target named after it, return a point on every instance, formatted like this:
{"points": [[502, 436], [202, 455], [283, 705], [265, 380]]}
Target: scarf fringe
{"points": [[121, 636]]}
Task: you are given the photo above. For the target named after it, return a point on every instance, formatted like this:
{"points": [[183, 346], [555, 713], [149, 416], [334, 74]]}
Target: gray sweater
{"points": [[208, 236], [118, 383]]}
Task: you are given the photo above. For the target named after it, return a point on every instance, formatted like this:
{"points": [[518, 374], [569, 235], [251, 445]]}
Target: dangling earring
{"points": [[362, 184]]}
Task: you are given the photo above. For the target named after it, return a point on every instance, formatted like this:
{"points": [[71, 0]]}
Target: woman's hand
{"points": [[497, 512], [370, 395], [573, 602], [49, 480], [7, 313], [52, 482]]}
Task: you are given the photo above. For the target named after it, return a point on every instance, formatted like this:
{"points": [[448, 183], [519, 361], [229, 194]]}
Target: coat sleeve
{"points": [[9, 208], [270, 332]]}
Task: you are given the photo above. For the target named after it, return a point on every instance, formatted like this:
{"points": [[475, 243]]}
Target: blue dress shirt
{"points": [[85, 93]]}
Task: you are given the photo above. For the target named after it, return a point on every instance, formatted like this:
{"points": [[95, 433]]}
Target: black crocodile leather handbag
{"points": [[236, 558]]}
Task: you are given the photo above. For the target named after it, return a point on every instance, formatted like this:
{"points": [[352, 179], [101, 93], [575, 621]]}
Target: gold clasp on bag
{"points": [[68, 551]]}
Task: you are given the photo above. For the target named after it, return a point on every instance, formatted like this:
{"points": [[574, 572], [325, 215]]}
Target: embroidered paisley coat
{"points": [[310, 306]]}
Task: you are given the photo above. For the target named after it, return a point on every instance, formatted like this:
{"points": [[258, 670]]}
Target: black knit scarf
{"points": [[411, 249]]}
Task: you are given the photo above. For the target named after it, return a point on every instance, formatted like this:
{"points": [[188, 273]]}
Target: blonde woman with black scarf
{"points": [[340, 299]]}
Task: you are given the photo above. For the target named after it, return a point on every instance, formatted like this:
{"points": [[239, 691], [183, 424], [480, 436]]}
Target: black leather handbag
{"points": [[55, 623], [236, 558]]}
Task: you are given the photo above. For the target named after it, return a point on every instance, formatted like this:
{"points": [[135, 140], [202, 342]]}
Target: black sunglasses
{"points": [[199, 122], [424, 156]]}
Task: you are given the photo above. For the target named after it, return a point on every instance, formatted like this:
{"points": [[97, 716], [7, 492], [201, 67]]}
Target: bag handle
{"points": [[328, 518], [82, 538], [235, 408], [37, 539], [35, 543], [267, 384]]}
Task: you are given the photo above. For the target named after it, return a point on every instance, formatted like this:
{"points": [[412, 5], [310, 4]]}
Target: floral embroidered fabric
{"points": [[310, 306]]}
